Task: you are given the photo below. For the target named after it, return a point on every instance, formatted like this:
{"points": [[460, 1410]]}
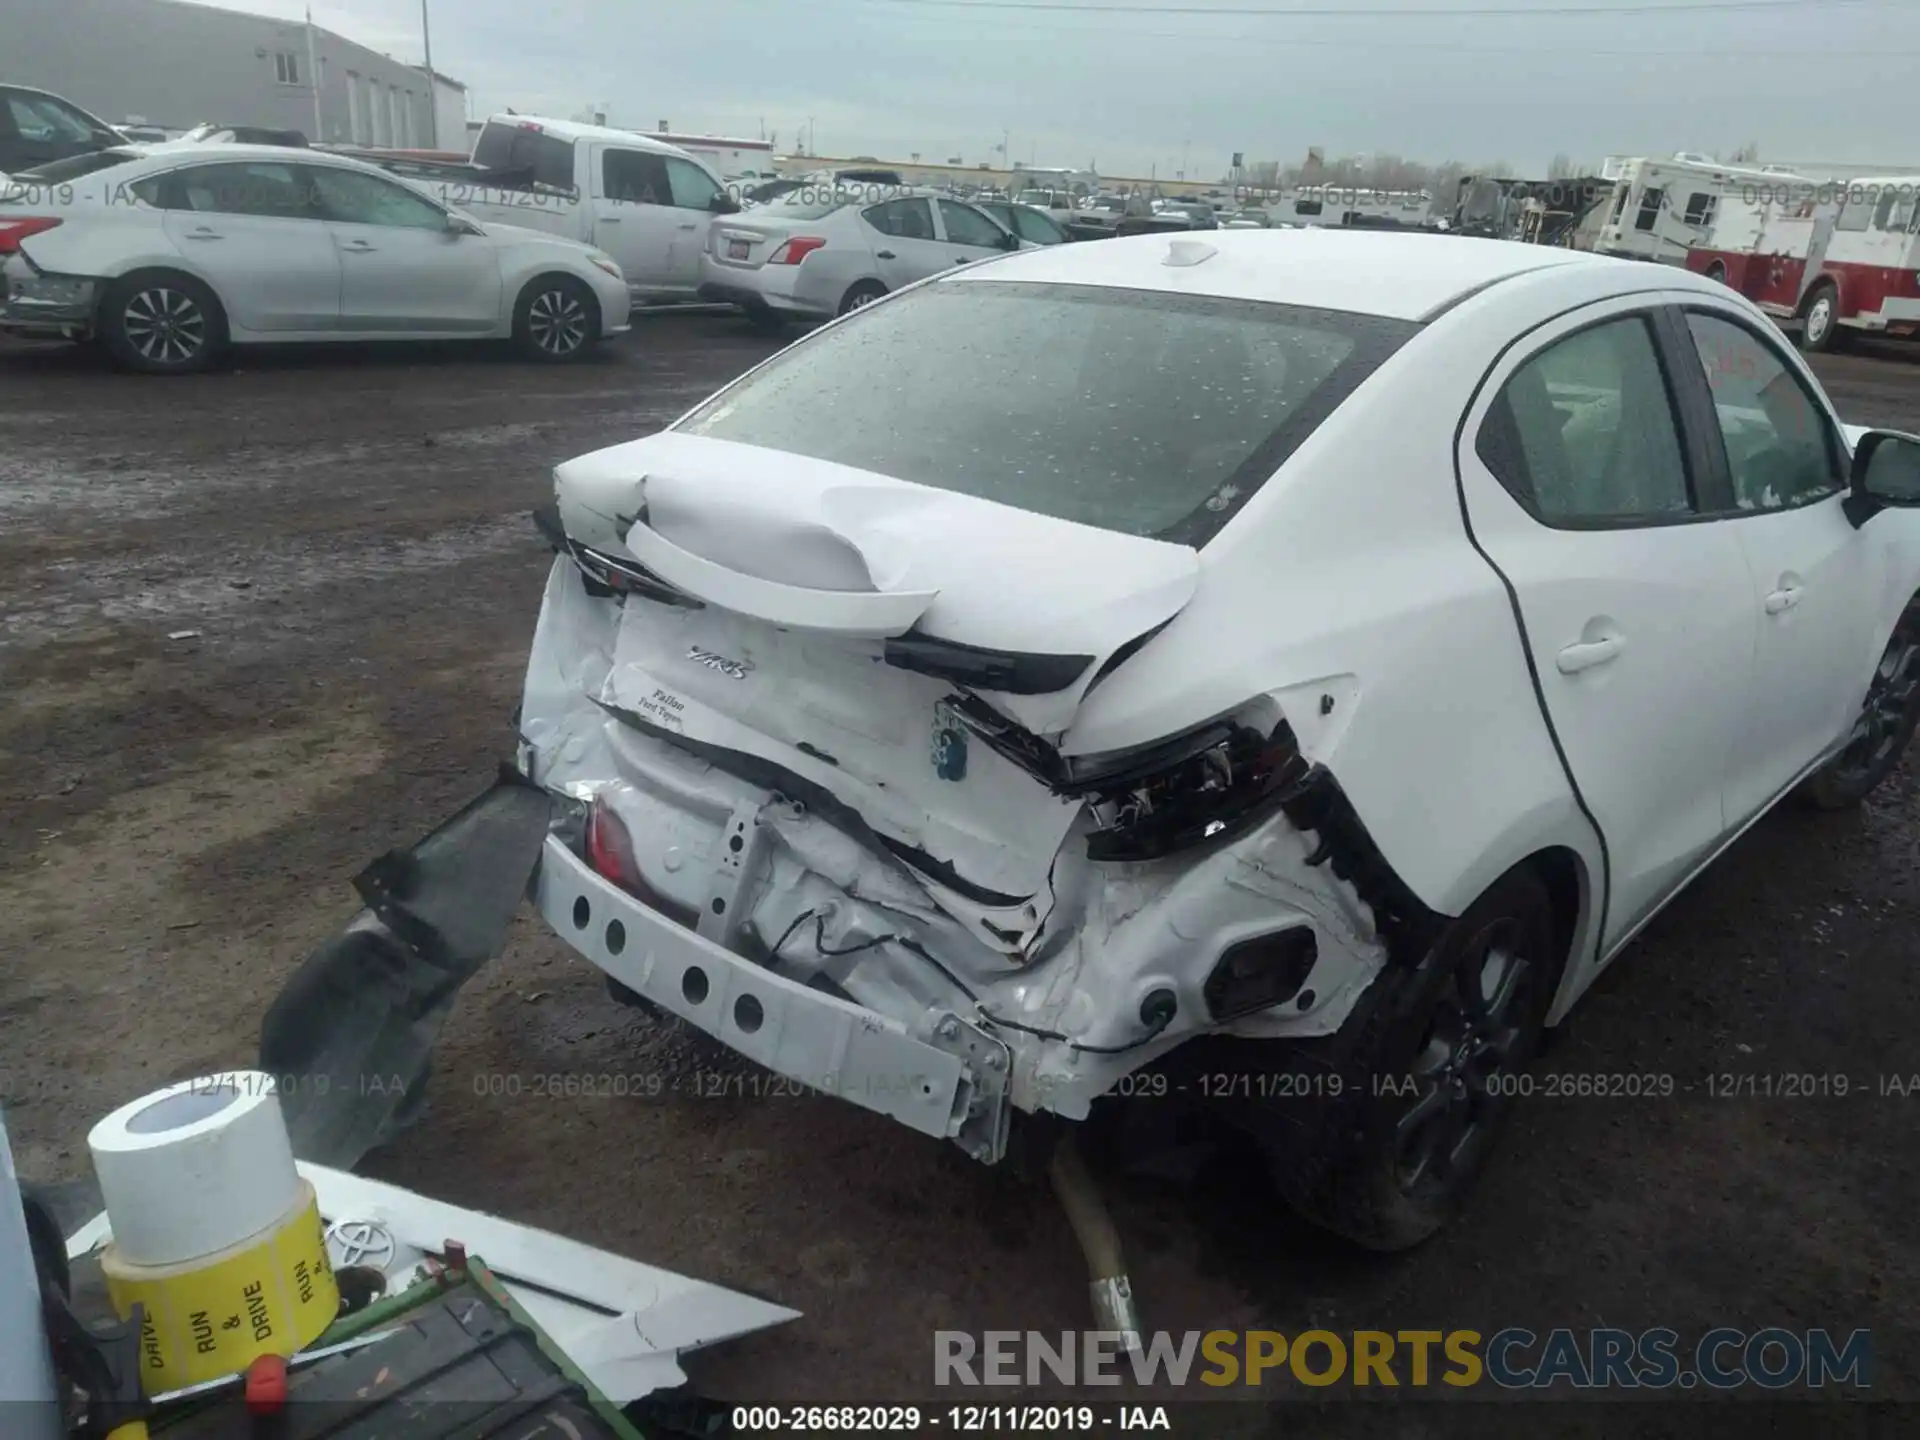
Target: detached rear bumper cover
{"points": [[810, 949]]}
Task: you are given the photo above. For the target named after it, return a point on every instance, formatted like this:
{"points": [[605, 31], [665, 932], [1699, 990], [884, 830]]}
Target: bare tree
{"points": [[1747, 154]]}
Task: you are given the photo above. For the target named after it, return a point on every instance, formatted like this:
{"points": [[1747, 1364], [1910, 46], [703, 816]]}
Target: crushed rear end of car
{"points": [[810, 728]]}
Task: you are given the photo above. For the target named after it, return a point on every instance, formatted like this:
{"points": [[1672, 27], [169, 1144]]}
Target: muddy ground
{"points": [[257, 627]]}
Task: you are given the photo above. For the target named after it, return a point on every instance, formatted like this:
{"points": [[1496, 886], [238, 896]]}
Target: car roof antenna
{"points": [[1182, 253]]}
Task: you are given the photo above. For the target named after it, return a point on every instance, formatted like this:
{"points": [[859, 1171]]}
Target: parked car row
{"points": [[548, 235]]}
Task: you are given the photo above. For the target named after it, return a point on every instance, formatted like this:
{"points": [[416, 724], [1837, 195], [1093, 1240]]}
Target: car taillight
{"points": [[796, 250], [1212, 784], [15, 229], [610, 854]]}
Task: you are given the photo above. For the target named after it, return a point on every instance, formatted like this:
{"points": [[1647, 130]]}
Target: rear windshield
{"points": [[814, 201], [1137, 411], [525, 153], [74, 167]]}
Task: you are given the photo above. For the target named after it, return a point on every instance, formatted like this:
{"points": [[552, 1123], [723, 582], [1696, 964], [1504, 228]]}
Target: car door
{"points": [[1635, 608], [906, 247], [253, 231], [1777, 444], [402, 269], [970, 234], [636, 223], [694, 194]]}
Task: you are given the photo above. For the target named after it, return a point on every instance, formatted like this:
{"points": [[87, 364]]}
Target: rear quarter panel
{"points": [[106, 241], [1350, 575]]}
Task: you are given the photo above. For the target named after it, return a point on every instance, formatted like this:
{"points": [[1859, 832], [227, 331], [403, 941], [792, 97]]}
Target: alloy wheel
{"points": [[1886, 715], [557, 322], [165, 326], [1478, 1032]]}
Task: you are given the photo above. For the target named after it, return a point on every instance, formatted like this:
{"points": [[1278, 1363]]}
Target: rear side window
{"points": [[267, 191], [1131, 410], [1584, 432], [908, 219], [527, 153], [1650, 199]]}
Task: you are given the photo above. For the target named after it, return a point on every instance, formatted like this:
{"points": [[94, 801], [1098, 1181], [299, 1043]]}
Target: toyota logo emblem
{"points": [[360, 1242]]}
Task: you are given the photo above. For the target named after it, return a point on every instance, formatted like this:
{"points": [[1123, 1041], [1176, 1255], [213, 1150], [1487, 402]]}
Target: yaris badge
{"points": [[732, 669]]}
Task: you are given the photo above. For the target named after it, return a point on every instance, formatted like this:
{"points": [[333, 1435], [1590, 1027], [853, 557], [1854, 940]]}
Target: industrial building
{"points": [[173, 64]]}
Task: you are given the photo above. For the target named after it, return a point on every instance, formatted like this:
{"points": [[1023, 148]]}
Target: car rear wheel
{"points": [[557, 320], [1884, 727], [162, 323], [1432, 1074], [1820, 329], [861, 295]]}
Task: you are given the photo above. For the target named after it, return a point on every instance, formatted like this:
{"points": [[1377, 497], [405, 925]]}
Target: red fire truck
{"points": [[1841, 258]]}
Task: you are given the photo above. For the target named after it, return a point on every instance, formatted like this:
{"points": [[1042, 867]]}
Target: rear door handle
{"points": [[358, 247], [1587, 654], [883, 255], [204, 234], [689, 227], [1785, 598]]}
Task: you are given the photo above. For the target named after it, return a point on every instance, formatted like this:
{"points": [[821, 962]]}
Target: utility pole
{"points": [[313, 79], [433, 81]]}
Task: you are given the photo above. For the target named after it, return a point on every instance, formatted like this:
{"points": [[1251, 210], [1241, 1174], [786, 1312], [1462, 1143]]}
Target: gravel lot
{"points": [[344, 536]]}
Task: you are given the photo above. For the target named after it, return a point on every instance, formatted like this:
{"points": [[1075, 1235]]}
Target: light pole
{"points": [[433, 81]]}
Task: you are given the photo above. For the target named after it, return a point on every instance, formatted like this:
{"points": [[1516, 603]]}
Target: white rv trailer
{"points": [[1660, 209], [1333, 204]]}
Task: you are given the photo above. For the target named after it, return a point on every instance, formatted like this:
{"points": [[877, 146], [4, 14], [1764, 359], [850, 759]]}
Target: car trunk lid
{"points": [[746, 243], [851, 630]]}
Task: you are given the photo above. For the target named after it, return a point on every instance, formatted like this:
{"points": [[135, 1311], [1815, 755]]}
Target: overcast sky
{"points": [[1807, 80]]}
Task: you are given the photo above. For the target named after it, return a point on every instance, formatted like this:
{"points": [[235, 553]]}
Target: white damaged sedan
{"points": [[1297, 655]]}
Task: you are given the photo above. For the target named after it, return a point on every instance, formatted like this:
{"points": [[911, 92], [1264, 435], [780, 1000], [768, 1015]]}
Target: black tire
{"points": [[1381, 1169], [161, 322], [1888, 716], [556, 321], [861, 294], [1820, 328], [1718, 272]]}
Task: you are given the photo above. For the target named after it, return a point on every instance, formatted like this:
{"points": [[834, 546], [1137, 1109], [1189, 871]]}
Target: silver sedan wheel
{"points": [[862, 300], [166, 326], [557, 321]]}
